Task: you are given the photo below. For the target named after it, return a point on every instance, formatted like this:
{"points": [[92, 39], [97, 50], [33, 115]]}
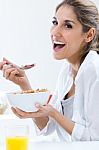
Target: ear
{"points": [[90, 35]]}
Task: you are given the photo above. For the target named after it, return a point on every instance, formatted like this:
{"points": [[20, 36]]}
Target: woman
{"points": [[74, 107]]}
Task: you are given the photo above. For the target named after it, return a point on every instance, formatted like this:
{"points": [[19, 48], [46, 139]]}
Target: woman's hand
{"points": [[2, 64], [13, 73], [43, 111], [40, 117]]}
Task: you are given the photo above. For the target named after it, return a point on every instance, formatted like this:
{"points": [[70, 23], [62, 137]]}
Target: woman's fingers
{"points": [[21, 114], [2, 64], [11, 75], [42, 112], [9, 62], [9, 72], [47, 110], [6, 60], [15, 112]]}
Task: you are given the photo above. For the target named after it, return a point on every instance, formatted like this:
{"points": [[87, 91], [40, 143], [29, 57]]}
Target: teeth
{"points": [[56, 42]]}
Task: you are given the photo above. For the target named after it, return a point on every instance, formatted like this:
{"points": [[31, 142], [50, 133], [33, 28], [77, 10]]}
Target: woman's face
{"points": [[66, 35]]}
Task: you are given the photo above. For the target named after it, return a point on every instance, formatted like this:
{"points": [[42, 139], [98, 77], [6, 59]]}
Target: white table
{"points": [[61, 146], [35, 145]]}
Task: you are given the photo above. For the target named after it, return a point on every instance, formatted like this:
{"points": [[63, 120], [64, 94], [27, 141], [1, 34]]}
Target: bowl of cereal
{"points": [[3, 103], [26, 100]]}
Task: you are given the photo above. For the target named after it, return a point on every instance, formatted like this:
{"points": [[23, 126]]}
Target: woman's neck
{"points": [[74, 70]]}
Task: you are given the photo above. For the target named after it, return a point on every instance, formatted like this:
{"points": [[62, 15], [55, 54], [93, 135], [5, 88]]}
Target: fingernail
{"points": [[37, 105], [4, 62]]}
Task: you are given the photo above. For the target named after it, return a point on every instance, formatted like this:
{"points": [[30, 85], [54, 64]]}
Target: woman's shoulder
{"points": [[91, 63], [90, 67]]}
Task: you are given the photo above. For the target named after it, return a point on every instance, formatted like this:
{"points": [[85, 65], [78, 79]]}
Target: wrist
{"points": [[54, 114], [25, 86]]}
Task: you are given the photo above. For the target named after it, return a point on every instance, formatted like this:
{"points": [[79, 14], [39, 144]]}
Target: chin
{"points": [[58, 57]]}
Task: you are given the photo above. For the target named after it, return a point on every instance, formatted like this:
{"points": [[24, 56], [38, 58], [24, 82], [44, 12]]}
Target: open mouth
{"points": [[57, 46]]}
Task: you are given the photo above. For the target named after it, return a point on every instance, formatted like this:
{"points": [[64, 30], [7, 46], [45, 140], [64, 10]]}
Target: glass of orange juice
{"points": [[17, 137]]}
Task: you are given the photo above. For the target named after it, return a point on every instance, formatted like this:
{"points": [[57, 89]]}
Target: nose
{"points": [[56, 32], [54, 37]]}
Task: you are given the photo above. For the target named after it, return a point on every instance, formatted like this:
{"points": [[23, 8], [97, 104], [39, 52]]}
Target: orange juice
{"points": [[17, 143]]}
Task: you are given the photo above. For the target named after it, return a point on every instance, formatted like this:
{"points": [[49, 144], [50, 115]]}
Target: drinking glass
{"points": [[17, 137]]}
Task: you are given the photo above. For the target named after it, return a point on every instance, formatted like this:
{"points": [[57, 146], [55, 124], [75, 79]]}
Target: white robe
{"points": [[85, 102]]}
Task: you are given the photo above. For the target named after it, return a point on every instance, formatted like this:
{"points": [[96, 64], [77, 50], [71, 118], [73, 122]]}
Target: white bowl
{"points": [[27, 101]]}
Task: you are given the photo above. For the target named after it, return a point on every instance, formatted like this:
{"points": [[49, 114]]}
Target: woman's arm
{"points": [[41, 117], [41, 122], [89, 128], [64, 122], [13, 73]]}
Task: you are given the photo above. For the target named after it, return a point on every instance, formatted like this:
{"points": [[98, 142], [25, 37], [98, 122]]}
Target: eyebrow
{"points": [[66, 21]]}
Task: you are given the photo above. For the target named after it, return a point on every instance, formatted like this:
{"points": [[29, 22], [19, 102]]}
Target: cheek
{"points": [[69, 39], [74, 40], [51, 30]]}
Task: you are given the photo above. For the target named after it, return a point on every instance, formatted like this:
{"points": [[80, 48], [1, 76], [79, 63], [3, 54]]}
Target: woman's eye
{"points": [[68, 26], [54, 22]]}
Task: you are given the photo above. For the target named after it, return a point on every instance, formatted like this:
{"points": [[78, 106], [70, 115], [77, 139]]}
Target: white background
{"points": [[25, 38]]}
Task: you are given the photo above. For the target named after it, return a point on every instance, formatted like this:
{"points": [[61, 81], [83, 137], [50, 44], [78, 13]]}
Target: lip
{"points": [[57, 44]]}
